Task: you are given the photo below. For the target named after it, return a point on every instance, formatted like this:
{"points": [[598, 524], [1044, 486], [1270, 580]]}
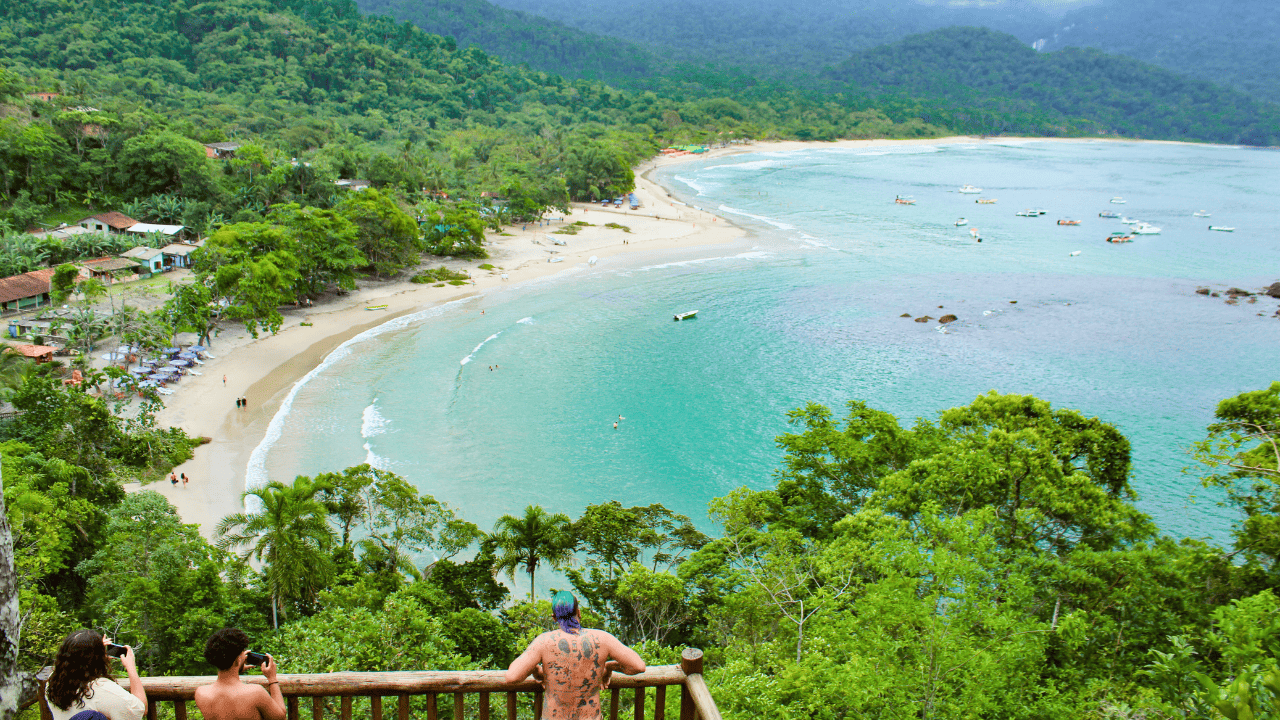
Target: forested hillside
{"points": [[770, 38], [519, 38], [1236, 44], [988, 82]]}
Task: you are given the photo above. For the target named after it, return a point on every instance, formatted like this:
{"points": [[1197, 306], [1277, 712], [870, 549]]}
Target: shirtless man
{"points": [[229, 699], [573, 663]]}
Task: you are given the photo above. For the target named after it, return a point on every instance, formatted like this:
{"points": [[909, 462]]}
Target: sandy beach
{"points": [[263, 370]]}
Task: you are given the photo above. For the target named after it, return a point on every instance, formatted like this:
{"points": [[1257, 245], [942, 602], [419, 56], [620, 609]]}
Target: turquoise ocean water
{"points": [[807, 309]]}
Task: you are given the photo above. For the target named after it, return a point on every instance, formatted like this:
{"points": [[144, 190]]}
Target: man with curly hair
{"points": [[227, 698]]}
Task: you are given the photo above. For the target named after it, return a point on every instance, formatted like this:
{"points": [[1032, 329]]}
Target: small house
{"points": [[28, 290], [108, 222], [222, 150], [178, 255], [107, 269], [152, 258], [354, 185], [168, 232], [39, 353], [62, 232]]}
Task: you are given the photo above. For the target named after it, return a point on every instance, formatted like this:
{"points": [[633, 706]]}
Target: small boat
{"points": [[1039, 211], [1109, 214], [1145, 229], [377, 307], [1073, 253], [1065, 221], [973, 233], [904, 200], [1117, 200], [555, 260], [986, 201], [591, 261], [555, 241], [1119, 237], [1221, 228], [1200, 213], [1027, 213], [685, 315], [970, 190], [1129, 221], [961, 222]]}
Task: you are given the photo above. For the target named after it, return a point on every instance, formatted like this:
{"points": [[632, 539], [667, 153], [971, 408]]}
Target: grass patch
{"points": [[306, 324], [457, 282], [616, 226], [486, 266], [505, 235], [566, 230], [583, 223], [440, 274], [438, 285]]}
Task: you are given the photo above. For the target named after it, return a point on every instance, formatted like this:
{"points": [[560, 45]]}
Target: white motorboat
{"points": [[1117, 200], [1145, 229], [1129, 221], [1027, 213], [961, 222], [970, 190], [1200, 213], [1222, 228]]}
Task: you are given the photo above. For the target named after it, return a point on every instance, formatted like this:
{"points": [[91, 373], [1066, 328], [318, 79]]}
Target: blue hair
{"points": [[564, 606]]}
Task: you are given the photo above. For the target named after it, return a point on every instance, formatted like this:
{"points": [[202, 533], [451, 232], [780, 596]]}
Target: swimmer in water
{"points": [[615, 425]]}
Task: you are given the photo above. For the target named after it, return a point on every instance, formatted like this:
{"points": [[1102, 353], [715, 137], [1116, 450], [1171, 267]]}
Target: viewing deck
{"points": [[470, 693]]}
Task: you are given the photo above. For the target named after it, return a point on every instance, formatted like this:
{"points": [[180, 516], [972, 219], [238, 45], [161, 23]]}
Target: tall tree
{"points": [[526, 542], [15, 685], [289, 533]]}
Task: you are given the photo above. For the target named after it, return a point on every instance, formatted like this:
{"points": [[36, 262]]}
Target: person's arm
{"points": [[135, 682], [628, 661], [271, 707], [527, 663]]}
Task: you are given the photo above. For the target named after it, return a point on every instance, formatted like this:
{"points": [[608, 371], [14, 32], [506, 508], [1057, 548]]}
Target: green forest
{"points": [[988, 562]]}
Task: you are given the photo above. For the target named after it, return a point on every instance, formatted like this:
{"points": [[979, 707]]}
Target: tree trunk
{"points": [[531, 584], [15, 685], [275, 623]]}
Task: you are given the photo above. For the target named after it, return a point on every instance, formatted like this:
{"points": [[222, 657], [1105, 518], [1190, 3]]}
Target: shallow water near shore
{"points": [[808, 310]]}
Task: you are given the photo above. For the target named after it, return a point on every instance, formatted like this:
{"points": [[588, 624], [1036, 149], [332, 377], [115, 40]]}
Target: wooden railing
{"points": [[397, 690]]}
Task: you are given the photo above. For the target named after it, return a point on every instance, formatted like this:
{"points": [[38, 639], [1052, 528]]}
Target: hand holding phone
{"points": [[254, 659], [116, 651]]}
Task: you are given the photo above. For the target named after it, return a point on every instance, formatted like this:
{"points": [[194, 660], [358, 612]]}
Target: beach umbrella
{"points": [[187, 355], [113, 356], [172, 351], [139, 370], [197, 348], [179, 363]]}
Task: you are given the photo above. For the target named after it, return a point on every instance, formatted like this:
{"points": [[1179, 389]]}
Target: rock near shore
{"points": [[1272, 291]]}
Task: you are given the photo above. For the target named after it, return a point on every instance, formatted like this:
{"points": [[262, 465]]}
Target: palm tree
{"points": [[289, 535], [526, 542]]}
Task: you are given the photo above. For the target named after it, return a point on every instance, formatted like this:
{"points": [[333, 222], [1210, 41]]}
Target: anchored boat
{"points": [[1065, 221], [1222, 228], [1109, 214], [1119, 237], [685, 315], [986, 201], [901, 200], [970, 190]]}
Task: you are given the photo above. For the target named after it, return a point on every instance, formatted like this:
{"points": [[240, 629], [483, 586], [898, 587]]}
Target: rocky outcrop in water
{"points": [[1273, 291], [923, 318], [947, 319]]}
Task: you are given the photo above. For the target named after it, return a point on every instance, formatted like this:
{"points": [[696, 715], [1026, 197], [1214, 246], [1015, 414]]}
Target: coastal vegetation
{"points": [[987, 563]]}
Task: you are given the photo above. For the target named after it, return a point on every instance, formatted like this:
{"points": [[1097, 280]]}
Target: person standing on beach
{"points": [[184, 481], [173, 479], [224, 381], [573, 663]]}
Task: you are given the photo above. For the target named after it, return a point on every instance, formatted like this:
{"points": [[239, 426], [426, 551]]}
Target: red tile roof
{"points": [[35, 351], [26, 285], [117, 220]]}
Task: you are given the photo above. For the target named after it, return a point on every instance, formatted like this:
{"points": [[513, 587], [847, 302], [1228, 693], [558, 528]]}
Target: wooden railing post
{"points": [[695, 698], [42, 678]]}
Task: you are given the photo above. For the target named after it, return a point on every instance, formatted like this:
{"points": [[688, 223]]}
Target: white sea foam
{"points": [[468, 358], [776, 223], [697, 187], [525, 321], [374, 459], [754, 255], [756, 165], [256, 472], [372, 422], [900, 150]]}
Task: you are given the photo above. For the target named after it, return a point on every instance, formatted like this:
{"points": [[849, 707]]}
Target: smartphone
{"points": [[116, 651], [255, 659]]}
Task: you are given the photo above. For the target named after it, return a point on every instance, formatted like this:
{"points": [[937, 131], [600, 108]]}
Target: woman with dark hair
{"points": [[81, 682]]}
